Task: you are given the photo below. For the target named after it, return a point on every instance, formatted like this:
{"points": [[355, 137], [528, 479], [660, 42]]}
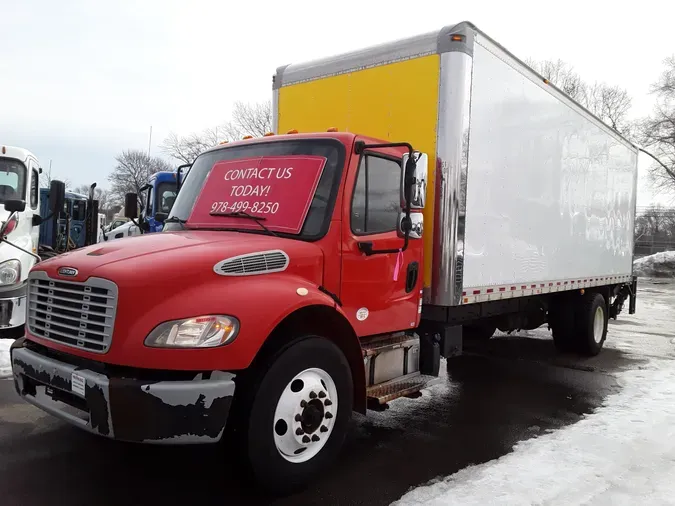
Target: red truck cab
{"points": [[280, 258]]}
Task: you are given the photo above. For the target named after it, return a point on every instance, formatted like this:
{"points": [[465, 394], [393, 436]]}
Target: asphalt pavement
{"points": [[491, 398]]}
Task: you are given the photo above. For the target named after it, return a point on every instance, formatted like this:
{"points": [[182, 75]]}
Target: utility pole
{"points": [[147, 169]]}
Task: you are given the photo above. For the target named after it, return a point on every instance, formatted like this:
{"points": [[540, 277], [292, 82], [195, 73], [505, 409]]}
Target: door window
{"points": [[34, 188], [377, 201]]}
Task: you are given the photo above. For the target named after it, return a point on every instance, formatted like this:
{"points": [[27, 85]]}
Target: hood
{"points": [[190, 254]]}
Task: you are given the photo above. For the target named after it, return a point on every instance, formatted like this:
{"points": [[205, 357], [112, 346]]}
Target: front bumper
{"points": [[167, 412]]}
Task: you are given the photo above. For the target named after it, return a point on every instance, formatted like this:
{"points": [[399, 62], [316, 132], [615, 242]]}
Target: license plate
{"points": [[77, 384]]}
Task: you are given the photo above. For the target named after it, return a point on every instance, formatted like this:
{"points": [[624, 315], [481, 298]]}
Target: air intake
{"points": [[262, 262]]}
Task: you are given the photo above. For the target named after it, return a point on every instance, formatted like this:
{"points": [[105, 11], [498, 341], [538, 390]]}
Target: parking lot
{"points": [[494, 396]]}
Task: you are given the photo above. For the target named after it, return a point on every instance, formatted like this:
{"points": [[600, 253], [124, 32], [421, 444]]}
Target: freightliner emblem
{"points": [[68, 271]]}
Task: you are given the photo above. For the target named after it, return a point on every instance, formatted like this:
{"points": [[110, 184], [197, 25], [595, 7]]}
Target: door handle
{"points": [[411, 276]]}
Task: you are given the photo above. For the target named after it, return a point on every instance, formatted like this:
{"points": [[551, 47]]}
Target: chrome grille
{"points": [[253, 263], [81, 315]]}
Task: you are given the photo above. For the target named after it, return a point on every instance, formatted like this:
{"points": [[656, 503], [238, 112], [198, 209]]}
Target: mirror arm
{"points": [[140, 229], [4, 239]]}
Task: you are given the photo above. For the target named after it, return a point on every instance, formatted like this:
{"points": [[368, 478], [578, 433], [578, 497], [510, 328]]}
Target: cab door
{"points": [[380, 292]]}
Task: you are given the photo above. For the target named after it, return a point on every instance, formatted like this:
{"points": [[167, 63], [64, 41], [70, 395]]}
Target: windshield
{"points": [[216, 175], [12, 179], [166, 194]]}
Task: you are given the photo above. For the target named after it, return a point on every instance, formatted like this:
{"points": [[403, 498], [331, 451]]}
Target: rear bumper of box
{"points": [[164, 412]]}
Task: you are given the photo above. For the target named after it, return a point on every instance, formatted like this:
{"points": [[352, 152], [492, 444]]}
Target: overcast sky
{"points": [[82, 80]]}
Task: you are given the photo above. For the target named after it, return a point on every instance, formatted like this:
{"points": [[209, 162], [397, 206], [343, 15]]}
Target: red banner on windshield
{"points": [[279, 189]]}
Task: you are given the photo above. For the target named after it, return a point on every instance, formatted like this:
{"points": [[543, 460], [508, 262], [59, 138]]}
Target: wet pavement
{"points": [[497, 394]]}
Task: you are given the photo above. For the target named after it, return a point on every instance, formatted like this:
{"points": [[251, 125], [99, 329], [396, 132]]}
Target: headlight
{"points": [[10, 272], [198, 332]]}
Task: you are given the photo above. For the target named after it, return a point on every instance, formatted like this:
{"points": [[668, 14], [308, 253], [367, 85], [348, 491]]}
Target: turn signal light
{"points": [[457, 38]]}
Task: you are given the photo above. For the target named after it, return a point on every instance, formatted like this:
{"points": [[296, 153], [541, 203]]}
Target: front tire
{"points": [[299, 414]]}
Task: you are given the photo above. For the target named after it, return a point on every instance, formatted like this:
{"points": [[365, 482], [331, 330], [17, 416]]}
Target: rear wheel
{"points": [[579, 324], [298, 415], [591, 324]]}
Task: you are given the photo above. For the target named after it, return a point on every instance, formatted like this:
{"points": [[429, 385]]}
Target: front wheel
{"points": [[299, 414]]}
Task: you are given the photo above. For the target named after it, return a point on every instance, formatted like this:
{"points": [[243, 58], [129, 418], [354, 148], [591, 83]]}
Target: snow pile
{"points": [[5, 366], [623, 453], [659, 265]]}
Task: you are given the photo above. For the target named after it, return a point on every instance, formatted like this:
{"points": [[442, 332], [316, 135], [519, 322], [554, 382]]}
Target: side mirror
{"points": [[161, 216], [414, 226], [414, 182], [131, 206], [57, 196], [15, 206], [179, 175]]}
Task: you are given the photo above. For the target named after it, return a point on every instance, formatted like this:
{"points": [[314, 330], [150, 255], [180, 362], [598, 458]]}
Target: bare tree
{"points": [[99, 194], [609, 103], [562, 75], [131, 173], [46, 179], [658, 130], [247, 119], [186, 149], [654, 229]]}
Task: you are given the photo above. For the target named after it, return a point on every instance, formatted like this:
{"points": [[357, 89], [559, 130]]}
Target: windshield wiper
{"points": [[176, 219], [243, 214]]}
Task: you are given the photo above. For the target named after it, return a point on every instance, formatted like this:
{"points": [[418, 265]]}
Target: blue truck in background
{"points": [[157, 196], [72, 219]]}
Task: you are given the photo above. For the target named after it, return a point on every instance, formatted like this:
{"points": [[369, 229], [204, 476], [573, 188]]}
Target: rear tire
{"points": [[297, 414], [591, 324]]}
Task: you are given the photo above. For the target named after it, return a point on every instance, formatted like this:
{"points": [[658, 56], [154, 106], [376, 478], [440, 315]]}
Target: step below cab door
{"points": [[380, 292]]}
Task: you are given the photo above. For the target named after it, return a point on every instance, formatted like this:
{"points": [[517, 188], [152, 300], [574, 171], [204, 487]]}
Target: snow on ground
{"points": [[5, 368], [659, 265], [623, 453]]}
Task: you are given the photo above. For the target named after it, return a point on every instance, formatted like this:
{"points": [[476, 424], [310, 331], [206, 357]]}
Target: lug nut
{"points": [[298, 418], [312, 395], [315, 438], [323, 428], [329, 415], [306, 439], [299, 432], [322, 394], [327, 402]]}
